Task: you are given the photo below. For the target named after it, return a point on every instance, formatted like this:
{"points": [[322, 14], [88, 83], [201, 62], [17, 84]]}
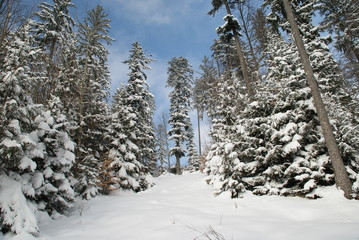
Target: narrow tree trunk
{"points": [[241, 56], [218, 67], [199, 134], [246, 32], [178, 164], [164, 123], [169, 161], [341, 176]]}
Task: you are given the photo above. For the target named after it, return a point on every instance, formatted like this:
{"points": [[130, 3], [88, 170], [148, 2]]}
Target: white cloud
{"points": [[162, 12]]}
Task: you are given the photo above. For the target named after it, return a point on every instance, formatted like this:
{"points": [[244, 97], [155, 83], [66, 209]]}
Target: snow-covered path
{"points": [[177, 205]]}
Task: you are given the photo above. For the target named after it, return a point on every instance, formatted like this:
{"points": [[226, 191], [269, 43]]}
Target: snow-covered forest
{"points": [[279, 89]]}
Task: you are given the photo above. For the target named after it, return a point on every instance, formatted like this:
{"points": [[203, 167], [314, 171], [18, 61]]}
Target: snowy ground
{"points": [[183, 207]]}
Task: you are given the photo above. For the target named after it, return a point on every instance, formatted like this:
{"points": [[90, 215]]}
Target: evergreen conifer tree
{"points": [[36, 149], [132, 153], [52, 31], [17, 148], [91, 109], [193, 158], [180, 78], [276, 145], [230, 29], [125, 169], [51, 179], [142, 104], [341, 18]]}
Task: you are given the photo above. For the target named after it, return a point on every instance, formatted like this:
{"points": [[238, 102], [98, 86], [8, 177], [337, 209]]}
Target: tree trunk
{"points": [[199, 134], [241, 56], [246, 32], [169, 162], [178, 164], [341, 176]]}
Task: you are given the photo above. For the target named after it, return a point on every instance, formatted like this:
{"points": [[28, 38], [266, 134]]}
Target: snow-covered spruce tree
{"points": [[193, 158], [224, 53], [52, 32], [37, 152], [319, 67], [51, 179], [180, 78], [132, 148], [142, 104], [222, 158], [17, 149], [124, 168], [91, 108], [278, 146], [230, 100]]}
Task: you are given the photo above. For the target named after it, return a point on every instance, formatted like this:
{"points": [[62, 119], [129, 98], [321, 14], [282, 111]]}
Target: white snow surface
{"points": [[183, 207]]}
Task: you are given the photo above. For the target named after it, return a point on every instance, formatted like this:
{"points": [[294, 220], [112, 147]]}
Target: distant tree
{"points": [[180, 78], [91, 109], [225, 55], [142, 104], [162, 141], [341, 18], [261, 34], [230, 29], [204, 93], [131, 156], [203, 87]]}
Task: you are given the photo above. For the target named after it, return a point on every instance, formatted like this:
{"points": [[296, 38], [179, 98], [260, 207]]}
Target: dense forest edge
{"points": [[283, 110]]}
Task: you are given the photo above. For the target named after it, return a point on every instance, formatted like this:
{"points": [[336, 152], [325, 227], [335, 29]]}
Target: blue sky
{"points": [[165, 29]]}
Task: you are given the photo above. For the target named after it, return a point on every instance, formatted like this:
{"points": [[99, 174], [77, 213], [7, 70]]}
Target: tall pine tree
{"points": [[91, 108], [180, 78], [132, 156]]}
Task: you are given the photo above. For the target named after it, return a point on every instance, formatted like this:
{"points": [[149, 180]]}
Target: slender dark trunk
{"points": [[178, 164], [242, 59], [218, 67], [341, 176], [246, 32], [199, 134], [169, 162]]}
